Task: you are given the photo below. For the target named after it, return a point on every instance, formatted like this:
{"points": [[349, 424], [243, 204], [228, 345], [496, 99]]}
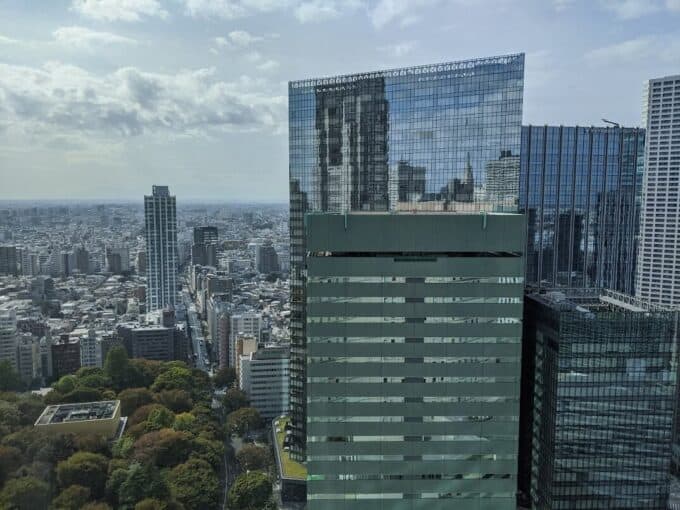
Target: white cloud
{"points": [[119, 10], [237, 39], [665, 48], [673, 5], [404, 11], [631, 9], [232, 9], [317, 10], [131, 102], [84, 38], [8, 40], [399, 49], [268, 65]]}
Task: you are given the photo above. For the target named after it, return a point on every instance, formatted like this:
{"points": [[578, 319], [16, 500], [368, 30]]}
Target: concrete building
{"points": [[245, 323], [264, 377], [266, 259], [414, 324], [28, 357], [117, 259], [658, 268], [161, 249], [599, 400], [90, 349], [9, 339], [153, 341], [101, 418], [245, 345]]}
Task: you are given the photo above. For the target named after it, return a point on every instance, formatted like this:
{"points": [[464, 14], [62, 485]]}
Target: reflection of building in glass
{"points": [[502, 179], [599, 389], [460, 190], [448, 120], [406, 183], [580, 191], [351, 129], [658, 269]]}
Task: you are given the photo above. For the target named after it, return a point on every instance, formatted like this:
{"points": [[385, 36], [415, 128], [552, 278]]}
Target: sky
{"points": [[100, 99]]}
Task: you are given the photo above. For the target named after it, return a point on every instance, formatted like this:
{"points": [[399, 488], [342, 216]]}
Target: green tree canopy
{"points": [[178, 401], [73, 497], [86, 469], [249, 491], [195, 485], [233, 400], [175, 378], [185, 422], [117, 367], [208, 450], [9, 378], [25, 493], [225, 377], [243, 420], [132, 399], [252, 457], [10, 460], [164, 448], [142, 481], [159, 418]]}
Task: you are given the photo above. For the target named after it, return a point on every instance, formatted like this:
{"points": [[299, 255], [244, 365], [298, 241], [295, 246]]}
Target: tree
{"points": [[243, 421], [141, 482], [178, 401], [155, 504], [225, 377], [117, 367], [142, 414], [10, 417], [30, 408], [73, 497], [10, 460], [9, 378], [234, 399], [86, 469], [253, 457], [66, 384], [164, 448], [159, 418], [176, 378], [249, 491], [132, 399], [25, 493], [185, 422], [208, 450], [82, 394], [195, 485], [96, 505], [145, 371]]}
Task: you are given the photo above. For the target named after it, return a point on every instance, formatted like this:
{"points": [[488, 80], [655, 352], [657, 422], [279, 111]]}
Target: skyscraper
{"points": [[445, 121], [658, 268], [580, 190], [413, 360], [161, 249], [9, 339], [600, 389]]}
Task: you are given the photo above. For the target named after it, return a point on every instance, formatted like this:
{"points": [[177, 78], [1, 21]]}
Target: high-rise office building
{"points": [[599, 393], [580, 190], [205, 235], [8, 260], [413, 360], [263, 376], [266, 258], [444, 123], [658, 268], [9, 339], [161, 249]]}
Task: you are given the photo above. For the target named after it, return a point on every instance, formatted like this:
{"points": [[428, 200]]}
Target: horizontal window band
{"points": [[415, 256]]}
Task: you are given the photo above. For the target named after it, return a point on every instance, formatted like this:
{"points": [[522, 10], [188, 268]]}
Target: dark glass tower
{"points": [[413, 139], [598, 426], [580, 189]]}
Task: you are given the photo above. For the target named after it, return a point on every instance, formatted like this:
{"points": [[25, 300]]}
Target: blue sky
{"points": [[103, 98]]}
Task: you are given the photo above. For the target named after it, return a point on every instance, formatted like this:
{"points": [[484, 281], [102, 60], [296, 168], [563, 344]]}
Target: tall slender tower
{"points": [[161, 249], [658, 268], [391, 351]]}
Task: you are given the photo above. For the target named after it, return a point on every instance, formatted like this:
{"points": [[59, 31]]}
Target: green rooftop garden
{"points": [[291, 468]]}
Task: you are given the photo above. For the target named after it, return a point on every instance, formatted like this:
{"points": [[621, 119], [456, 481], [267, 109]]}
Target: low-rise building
{"points": [[264, 376], [83, 418]]}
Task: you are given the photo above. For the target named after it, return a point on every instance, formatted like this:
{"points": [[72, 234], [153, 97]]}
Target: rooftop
{"points": [[87, 411], [288, 467], [597, 301]]}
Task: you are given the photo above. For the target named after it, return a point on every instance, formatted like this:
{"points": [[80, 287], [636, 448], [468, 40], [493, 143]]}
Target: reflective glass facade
{"points": [[433, 138], [580, 189], [604, 394], [413, 360]]}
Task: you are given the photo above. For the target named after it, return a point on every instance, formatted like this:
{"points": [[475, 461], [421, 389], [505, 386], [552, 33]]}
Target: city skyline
{"points": [[118, 110]]}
